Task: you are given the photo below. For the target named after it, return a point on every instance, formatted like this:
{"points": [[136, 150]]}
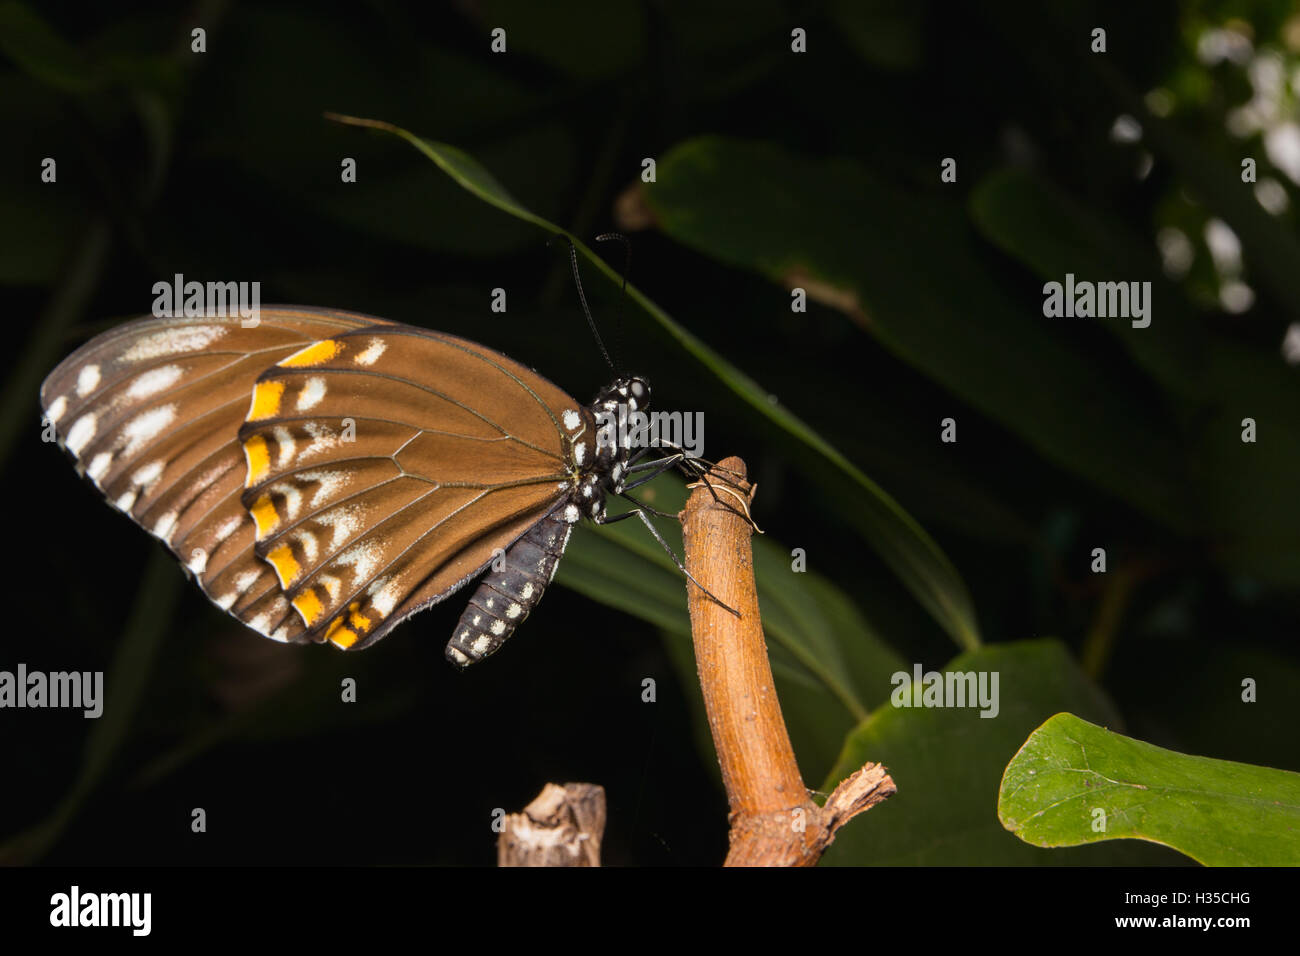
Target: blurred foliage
{"points": [[774, 170]]}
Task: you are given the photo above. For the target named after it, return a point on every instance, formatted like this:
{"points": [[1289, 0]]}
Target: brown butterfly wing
{"points": [[387, 466], [151, 412]]}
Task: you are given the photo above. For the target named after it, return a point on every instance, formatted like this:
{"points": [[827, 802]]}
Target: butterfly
{"points": [[324, 475]]}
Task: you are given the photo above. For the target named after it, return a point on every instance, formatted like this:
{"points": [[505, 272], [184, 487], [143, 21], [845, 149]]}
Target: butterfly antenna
{"points": [[620, 316], [582, 297], [627, 254]]}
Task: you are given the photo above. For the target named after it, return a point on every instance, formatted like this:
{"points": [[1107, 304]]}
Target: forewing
{"points": [[387, 466], [151, 412]]}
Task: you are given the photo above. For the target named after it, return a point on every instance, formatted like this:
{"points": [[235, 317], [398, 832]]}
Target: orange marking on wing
{"points": [[285, 564], [314, 354], [264, 514], [359, 622], [308, 605], [340, 636], [266, 400], [258, 459]]}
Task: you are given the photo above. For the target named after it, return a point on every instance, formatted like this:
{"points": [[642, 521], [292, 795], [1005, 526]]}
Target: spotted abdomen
{"points": [[504, 598]]}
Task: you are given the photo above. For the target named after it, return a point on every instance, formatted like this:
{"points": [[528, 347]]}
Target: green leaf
{"points": [[1034, 221], [1244, 493], [905, 546], [1221, 813], [948, 761], [885, 33], [40, 52], [905, 268]]}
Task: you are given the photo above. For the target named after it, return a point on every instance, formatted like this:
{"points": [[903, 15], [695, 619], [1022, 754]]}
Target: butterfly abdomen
{"points": [[505, 597]]}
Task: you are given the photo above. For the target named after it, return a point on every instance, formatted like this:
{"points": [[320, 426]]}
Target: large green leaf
{"points": [[39, 51], [948, 762], [906, 547], [1244, 492], [1052, 233], [1074, 783], [905, 267]]}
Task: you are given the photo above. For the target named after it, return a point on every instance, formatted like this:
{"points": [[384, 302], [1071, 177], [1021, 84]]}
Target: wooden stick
{"points": [[773, 821], [563, 826]]}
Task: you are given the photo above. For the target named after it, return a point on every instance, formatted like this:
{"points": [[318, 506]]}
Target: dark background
{"points": [[220, 166]]}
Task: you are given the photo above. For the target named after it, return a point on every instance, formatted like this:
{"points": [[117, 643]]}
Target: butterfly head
{"points": [[631, 391], [617, 411]]}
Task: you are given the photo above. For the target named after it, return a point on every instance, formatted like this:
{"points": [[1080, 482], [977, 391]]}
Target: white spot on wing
{"points": [[189, 338], [98, 465], [457, 656], [292, 497], [571, 419], [87, 380], [227, 528], [246, 580], [147, 426], [579, 452], [498, 628], [322, 436], [125, 502], [311, 393], [344, 520], [198, 560], [226, 601], [480, 645], [571, 513], [284, 441], [307, 541], [514, 610], [146, 476], [375, 349], [363, 558], [331, 483], [80, 434], [385, 599], [166, 524], [56, 409], [154, 381]]}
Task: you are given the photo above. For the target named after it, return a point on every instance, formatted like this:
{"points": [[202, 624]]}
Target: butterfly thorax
{"points": [[616, 441]]}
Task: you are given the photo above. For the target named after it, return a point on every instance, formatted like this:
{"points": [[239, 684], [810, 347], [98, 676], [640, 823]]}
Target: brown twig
{"points": [[773, 821], [563, 826]]}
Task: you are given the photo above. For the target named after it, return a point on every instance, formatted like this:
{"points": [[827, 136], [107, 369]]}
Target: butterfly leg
{"points": [[640, 512], [693, 467], [655, 468]]}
